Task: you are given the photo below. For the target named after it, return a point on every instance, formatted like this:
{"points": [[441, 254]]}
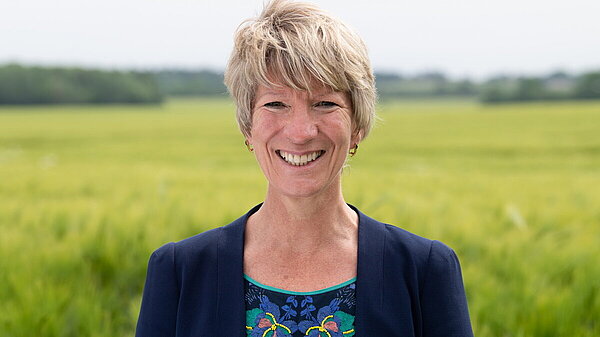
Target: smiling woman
{"points": [[303, 262]]}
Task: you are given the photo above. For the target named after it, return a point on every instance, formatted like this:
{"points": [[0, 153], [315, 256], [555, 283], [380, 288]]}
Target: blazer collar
{"points": [[231, 315]]}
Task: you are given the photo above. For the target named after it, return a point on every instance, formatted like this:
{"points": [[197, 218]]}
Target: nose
{"points": [[301, 126]]}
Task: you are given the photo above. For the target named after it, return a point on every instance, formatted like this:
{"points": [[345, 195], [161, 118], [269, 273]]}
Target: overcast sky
{"points": [[476, 38]]}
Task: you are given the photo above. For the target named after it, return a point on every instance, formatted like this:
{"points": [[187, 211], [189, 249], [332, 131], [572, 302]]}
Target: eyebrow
{"points": [[272, 93], [284, 95], [280, 93], [329, 93]]}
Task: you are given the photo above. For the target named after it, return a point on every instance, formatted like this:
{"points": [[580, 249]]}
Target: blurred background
{"points": [[117, 136]]}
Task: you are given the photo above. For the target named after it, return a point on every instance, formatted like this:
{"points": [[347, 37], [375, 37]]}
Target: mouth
{"points": [[299, 160]]}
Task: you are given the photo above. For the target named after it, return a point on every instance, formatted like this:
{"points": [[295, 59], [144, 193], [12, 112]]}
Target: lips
{"points": [[299, 160]]}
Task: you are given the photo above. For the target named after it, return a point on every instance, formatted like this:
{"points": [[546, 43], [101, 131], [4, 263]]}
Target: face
{"points": [[301, 140]]}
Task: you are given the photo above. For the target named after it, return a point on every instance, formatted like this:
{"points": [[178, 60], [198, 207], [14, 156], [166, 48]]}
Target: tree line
{"points": [[55, 85], [498, 89], [556, 86], [46, 85]]}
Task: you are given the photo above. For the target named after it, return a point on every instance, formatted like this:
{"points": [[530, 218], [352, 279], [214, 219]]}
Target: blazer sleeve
{"points": [[158, 313], [443, 299]]}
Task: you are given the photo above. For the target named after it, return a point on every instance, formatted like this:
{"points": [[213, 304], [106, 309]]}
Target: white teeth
{"points": [[297, 160]]}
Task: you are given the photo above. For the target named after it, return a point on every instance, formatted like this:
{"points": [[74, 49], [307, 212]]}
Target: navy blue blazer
{"points": [[406, 285]]}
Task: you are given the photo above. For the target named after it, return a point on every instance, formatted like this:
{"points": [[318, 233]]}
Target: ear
{"points": [[247, 139], [357, 136], [248, 136]]}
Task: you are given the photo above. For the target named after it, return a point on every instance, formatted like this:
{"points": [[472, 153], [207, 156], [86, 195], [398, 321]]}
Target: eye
{"points": [[275, 105], [326, 104]]}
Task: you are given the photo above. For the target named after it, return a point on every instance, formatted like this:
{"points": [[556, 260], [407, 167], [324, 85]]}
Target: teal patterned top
{"points": [[272, 312]]}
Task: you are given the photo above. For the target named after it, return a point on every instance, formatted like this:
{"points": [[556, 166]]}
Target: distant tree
{"points": [[556, 86], [588, 86], [558, 75], [529, 89], [423, 85], [465, 88], [436, 76], [190, 83], [497, 90], [40, 85], [387, 76]]}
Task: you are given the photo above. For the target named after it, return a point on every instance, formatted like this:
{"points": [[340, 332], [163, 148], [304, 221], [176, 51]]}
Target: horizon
{"points": [[405, 75]]}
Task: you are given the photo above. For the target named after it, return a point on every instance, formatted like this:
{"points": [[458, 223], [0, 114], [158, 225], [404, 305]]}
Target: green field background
{"points": [[88, 192]]}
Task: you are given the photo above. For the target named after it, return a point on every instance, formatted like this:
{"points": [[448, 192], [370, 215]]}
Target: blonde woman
{"points": [[303, 262]]}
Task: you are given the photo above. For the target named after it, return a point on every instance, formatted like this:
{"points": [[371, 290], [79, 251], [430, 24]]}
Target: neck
{"points": [[303, 223]]}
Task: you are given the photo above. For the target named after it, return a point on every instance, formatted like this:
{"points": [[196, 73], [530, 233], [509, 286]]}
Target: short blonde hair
{"points": [[298, 43]]}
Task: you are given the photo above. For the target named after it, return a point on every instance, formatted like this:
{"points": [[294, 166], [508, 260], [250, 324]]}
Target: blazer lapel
{"points": [[231, 315], [369, 279]]}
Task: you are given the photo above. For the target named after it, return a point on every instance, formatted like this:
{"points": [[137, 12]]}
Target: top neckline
{"points": [[301, 293]]}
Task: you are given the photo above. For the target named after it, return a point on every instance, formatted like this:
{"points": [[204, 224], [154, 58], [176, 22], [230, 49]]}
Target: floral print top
{"points": [[272, 312]]}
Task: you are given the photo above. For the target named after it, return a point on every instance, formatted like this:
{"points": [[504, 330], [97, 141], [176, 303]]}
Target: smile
{"points": [[299, 160]]}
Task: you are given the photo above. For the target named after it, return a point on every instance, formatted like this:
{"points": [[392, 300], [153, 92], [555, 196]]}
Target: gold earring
{"points": [[249, 146], [353, 150]]}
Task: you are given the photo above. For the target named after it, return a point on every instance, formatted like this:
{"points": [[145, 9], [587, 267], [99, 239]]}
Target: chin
{"points": [[298, 192], [302, 188]]}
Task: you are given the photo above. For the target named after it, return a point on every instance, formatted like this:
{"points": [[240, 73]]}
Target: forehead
{"points": [[302, 82], [315, 91]]}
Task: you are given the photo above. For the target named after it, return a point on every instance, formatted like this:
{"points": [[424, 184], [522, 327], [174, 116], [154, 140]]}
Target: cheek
{"points": [[263, 126], [340, 127]]}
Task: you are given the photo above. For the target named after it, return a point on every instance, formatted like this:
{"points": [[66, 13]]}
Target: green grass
{"points": [[86, 193]]}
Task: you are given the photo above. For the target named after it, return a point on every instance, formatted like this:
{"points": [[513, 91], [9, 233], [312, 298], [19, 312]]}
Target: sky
{"points": [[462, 38]]}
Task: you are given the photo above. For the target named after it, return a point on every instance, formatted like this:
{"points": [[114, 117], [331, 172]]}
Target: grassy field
{"points": [[86, 193]]}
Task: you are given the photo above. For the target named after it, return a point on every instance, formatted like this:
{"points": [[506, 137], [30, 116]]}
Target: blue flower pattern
{"points": [[271, 313]]}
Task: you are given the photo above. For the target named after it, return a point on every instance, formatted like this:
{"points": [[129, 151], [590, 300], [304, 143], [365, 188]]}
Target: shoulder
{"points": [[202, 249], [402, 241], [204, 243], [434, 265], [198, 252], [197, 244], [404, 249], [396, 240]]}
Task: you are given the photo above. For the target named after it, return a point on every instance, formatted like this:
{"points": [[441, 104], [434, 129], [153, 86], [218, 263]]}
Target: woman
{"points": [[303, 263]]}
